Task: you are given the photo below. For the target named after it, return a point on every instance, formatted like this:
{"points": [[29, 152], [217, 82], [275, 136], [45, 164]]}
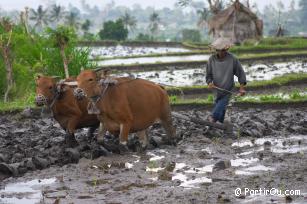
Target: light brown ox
{"points": [[129, 106], [70, 113]]}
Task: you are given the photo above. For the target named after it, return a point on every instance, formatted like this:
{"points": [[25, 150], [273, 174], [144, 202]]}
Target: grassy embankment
{"points": [[279, 98]]}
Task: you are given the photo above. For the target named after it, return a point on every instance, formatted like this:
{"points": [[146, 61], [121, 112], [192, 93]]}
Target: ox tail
{"points": [[167, 122]]}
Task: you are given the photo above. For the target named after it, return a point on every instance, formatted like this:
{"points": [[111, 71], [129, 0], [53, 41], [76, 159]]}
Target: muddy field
{"points": [[196, 76], [268, 150]]}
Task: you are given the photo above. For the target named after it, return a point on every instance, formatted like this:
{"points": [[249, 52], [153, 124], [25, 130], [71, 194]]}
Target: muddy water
{"points": [[24, 192], [121, 51], [206, 166], [196, 76], [152, 60]]}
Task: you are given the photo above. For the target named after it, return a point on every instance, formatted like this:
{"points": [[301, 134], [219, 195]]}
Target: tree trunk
{"points": [[9, 71], [65, 61]]}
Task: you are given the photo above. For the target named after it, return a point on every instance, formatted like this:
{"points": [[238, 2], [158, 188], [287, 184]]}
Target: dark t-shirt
{"points": [[221, 72]]}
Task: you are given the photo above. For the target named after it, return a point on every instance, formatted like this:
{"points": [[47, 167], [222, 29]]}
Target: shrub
{"points": [[191, 35], [113, 31]]}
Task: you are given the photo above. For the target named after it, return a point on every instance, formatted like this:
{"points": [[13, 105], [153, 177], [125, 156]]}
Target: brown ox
{"points": [[128, 106], [70, 113]]}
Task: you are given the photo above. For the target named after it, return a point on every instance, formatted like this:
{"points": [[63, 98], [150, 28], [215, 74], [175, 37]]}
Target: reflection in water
{"points": [[24, 192], [152, 60]]}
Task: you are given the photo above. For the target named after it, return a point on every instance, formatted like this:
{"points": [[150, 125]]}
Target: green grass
{"points": [[260, 99], [263, 44], [18, 104]]}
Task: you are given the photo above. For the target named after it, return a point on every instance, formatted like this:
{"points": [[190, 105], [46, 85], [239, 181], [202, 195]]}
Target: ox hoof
{"points": [[139, 148], [170, 142], [71, 142], [100, 140], [123, 148]]}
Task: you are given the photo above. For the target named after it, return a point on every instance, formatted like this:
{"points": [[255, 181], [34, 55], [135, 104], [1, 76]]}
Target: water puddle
{"points": [[269, 71], [128, 165], [24, 192], [292, 144], [253, 170], [190, 183], [201, 170], [243, 162], [156, 158], [154, 169]]}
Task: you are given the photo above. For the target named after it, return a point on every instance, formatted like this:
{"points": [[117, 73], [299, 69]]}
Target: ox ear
{"points": [[105, 73]]}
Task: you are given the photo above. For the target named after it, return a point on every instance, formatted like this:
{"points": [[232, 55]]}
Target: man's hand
{"points": [[242, 91], [211, 86]]}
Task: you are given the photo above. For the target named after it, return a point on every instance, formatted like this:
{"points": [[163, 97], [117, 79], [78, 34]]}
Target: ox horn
{"points": [[71, 83], [98, 69], [55, 77]]}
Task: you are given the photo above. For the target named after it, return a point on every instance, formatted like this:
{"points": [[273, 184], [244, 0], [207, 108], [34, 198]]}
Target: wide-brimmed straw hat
{"points": [[221, 44]]}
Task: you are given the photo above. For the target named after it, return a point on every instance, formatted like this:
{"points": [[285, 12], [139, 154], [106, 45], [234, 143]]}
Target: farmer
{"points": [[220, 71]]}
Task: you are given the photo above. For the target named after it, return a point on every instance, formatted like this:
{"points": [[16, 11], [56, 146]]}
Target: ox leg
{"points": [[101, 134], [143, 137], [70, 136], [91, 130], [167, 124], [123, 137], [70, 139]]}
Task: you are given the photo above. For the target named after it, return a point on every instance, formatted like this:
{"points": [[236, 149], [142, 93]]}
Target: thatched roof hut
{"points": [[237, 23]]}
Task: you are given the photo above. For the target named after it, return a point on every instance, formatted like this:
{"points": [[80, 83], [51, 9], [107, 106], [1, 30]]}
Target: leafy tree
{"points": [[72, 20], [57, 13], [143, 37], [40, 17], [114, 30], [191, 35], [24, 16], [86, 26], [303, 14], [62, 37], [129, 21], [154, 21], [214, 5]]}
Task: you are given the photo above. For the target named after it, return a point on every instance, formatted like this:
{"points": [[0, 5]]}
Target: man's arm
{"points": [[209, 75], [239, 72]]}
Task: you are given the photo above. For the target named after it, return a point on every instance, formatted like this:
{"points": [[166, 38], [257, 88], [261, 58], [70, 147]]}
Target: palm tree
{"points": [[214, 5], [61, 37], [203, 18], [40, 17], [154, 21], [56, 13], [86, 25], [129, 21], [72, 19]]}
